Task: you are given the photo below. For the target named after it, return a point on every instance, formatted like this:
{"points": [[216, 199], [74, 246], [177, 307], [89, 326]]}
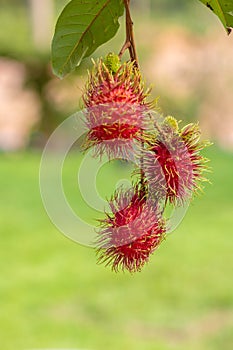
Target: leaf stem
{"points": [[129, 41], [130, 45]]}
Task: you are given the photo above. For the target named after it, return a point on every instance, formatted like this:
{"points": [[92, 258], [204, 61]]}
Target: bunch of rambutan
{"points": [[122, 124]]}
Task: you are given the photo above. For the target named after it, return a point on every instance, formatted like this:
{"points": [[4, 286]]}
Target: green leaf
{"points": [[82, 27], [223, 9]]}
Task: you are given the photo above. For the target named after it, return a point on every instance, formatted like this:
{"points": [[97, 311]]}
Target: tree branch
{"points": [[129, 42]]}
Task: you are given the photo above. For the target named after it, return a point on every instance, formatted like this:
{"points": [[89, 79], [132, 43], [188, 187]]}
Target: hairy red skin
{"points": [[125, 86], [113, 131], [174, 167], [115, 110], [131, 233]]}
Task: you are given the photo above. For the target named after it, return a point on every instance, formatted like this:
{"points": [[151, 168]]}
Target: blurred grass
{"points": [[53, 295]]}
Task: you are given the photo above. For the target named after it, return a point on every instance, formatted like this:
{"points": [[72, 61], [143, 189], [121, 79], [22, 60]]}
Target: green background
{"points": [[52, 293]]}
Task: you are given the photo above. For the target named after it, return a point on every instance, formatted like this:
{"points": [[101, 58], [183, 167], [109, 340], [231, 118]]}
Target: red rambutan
{"points": [[115, 109], [131, 233], [173, 165]]}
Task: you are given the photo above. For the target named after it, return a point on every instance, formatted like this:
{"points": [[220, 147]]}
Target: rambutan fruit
{"points": [[115, 101], [131, 233], [173, 164]]}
